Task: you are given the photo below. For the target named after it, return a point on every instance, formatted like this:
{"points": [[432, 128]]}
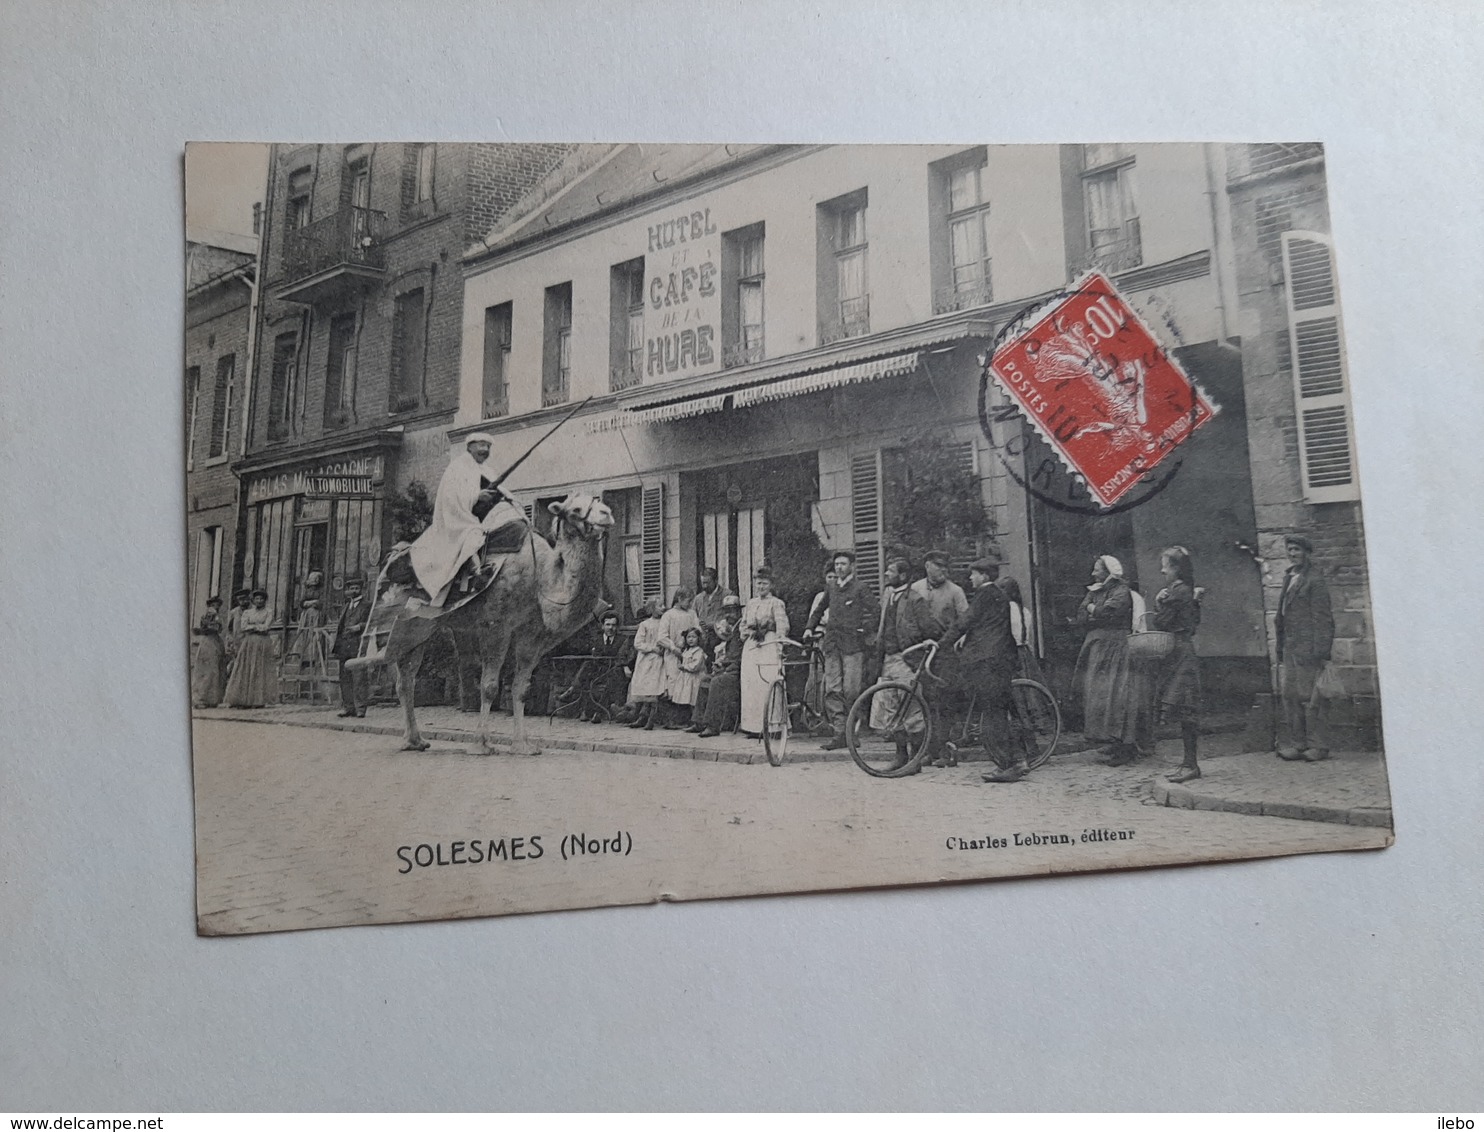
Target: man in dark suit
{"points": [[348, 631], [1306, 637], [848, 633], [606, 675], [987, 665]]}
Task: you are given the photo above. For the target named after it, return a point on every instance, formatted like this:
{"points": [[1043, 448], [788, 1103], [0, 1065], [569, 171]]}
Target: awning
{"points": [[774, 390]]}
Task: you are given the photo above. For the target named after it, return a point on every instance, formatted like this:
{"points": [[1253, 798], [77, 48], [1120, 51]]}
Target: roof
{"points": [[206, 263], [597, 179]]}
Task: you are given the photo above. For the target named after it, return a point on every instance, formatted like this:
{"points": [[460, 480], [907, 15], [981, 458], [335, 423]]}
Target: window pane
{"points": [[963, 188], [967, 242], [750, 296], [852, 276], [852, 227], [751, 260]]}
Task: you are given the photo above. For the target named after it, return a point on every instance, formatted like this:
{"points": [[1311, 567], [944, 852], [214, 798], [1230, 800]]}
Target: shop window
{"points": [[1110, 202], [842, 278], [1321, 393], [340, 372], [193, 406], [409, 345], [961, 229], [498, 323], [556, 362], [742, 285], [283, 389], [221, 403], [626, 324]]}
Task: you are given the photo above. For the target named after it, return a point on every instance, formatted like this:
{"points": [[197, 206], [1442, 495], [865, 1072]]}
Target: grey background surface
{"points": [[1343, 981]]}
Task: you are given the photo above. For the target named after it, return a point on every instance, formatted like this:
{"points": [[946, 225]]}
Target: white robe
{"points": [[455, 535]]}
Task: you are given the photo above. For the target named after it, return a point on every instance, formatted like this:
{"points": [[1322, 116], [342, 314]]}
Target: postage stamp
{"points": [[1100, 389]]}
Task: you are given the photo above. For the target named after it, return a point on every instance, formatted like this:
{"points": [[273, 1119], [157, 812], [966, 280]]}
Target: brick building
{"points": [[764, 331], [219, 293], [1299, 424], [357, 364]]}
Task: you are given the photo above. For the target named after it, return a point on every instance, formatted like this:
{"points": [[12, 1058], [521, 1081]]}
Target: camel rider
{"points": [[466, 509]]}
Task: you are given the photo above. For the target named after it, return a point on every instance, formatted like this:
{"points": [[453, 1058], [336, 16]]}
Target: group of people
{"points": [[1127, 691], [233, 660], [703, 665]]}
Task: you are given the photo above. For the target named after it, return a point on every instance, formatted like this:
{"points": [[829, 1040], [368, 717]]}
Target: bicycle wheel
{"points": [[1036, 717], [775, 723], [904, 724]]}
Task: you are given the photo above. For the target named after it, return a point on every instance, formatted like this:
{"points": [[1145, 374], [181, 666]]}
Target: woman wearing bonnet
{"points": [[1102, 677]]}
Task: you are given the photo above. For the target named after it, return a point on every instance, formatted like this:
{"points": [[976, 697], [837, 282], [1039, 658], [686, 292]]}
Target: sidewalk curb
{"points": [[1182, 798], [501, 742]]}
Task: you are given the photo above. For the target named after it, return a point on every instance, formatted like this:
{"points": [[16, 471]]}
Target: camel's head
{"points": [[587, 515]]}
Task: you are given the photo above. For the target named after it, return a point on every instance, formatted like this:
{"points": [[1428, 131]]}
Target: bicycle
{"points": [[780, 713], [896, 742]]}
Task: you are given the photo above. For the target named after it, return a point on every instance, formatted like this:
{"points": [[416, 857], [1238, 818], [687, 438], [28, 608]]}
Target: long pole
{"points": [[493, 484]]}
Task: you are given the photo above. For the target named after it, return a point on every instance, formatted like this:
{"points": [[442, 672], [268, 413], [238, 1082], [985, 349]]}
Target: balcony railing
{"points": [[624, 377], [557, 393], [349, 238], [962, 296], [742, 353], [854, 319], [1122, 254]]}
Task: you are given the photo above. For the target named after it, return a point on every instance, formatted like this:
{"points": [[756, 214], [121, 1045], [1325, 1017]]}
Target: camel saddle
{"points": [[406, 615]]}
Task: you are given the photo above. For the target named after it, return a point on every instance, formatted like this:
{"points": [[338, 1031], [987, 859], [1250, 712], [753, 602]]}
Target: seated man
{"points": [[605, 678]]}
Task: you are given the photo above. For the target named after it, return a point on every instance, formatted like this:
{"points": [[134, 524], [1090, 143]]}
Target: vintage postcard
{"points": [[591, 524]]}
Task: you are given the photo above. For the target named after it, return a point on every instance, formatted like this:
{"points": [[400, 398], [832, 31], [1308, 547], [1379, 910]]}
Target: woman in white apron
{"points": [[764, 624]]}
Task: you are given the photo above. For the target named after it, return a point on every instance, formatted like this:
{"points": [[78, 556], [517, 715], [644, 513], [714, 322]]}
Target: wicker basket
{"points": [[1149, 644]]}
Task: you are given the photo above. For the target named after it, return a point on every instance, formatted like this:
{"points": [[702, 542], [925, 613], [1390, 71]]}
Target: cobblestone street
{"points": [[300, 826]]}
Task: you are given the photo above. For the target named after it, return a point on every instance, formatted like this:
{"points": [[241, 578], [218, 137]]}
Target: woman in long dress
{"points": [[764, 625], [208, 665], [254, 681], [1102, 673]]}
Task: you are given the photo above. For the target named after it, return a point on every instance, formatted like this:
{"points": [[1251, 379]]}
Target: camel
{"points": [[542, 596]]}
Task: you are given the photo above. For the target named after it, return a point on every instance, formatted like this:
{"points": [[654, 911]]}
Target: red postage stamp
{"points": [[1100, 389]]}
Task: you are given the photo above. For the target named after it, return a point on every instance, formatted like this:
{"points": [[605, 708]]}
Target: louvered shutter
{"points": [[865, 517], [1321, 393], [530, 510], [963, 551], [652, 541]]}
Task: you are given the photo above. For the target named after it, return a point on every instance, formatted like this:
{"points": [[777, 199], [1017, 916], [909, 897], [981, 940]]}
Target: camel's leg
{"points": [[518, 687], [489, 690], [406, 671]]}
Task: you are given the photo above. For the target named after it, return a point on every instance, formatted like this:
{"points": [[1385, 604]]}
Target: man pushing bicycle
{"points": [[987, 663]]}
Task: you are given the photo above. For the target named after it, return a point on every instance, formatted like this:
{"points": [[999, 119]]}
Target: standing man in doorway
{"points": [[348, 630], [849, 632]]}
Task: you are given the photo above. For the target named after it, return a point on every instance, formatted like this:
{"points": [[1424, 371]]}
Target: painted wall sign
{"points": [[682, 296], [357, 475]]}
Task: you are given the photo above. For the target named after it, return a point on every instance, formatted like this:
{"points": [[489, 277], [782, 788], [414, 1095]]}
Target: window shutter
{"points": [[652, 541], [530, 510], [865, 517], [1321, 394]]}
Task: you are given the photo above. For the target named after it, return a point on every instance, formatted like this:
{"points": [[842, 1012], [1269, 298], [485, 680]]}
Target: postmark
{"points": [[1099, 388]]}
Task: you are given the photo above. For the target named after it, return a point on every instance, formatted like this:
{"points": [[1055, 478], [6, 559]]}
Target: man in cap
{"points": [[348, 630], [943, 600], [987, 665], [466, 508], [1306, 637]]}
